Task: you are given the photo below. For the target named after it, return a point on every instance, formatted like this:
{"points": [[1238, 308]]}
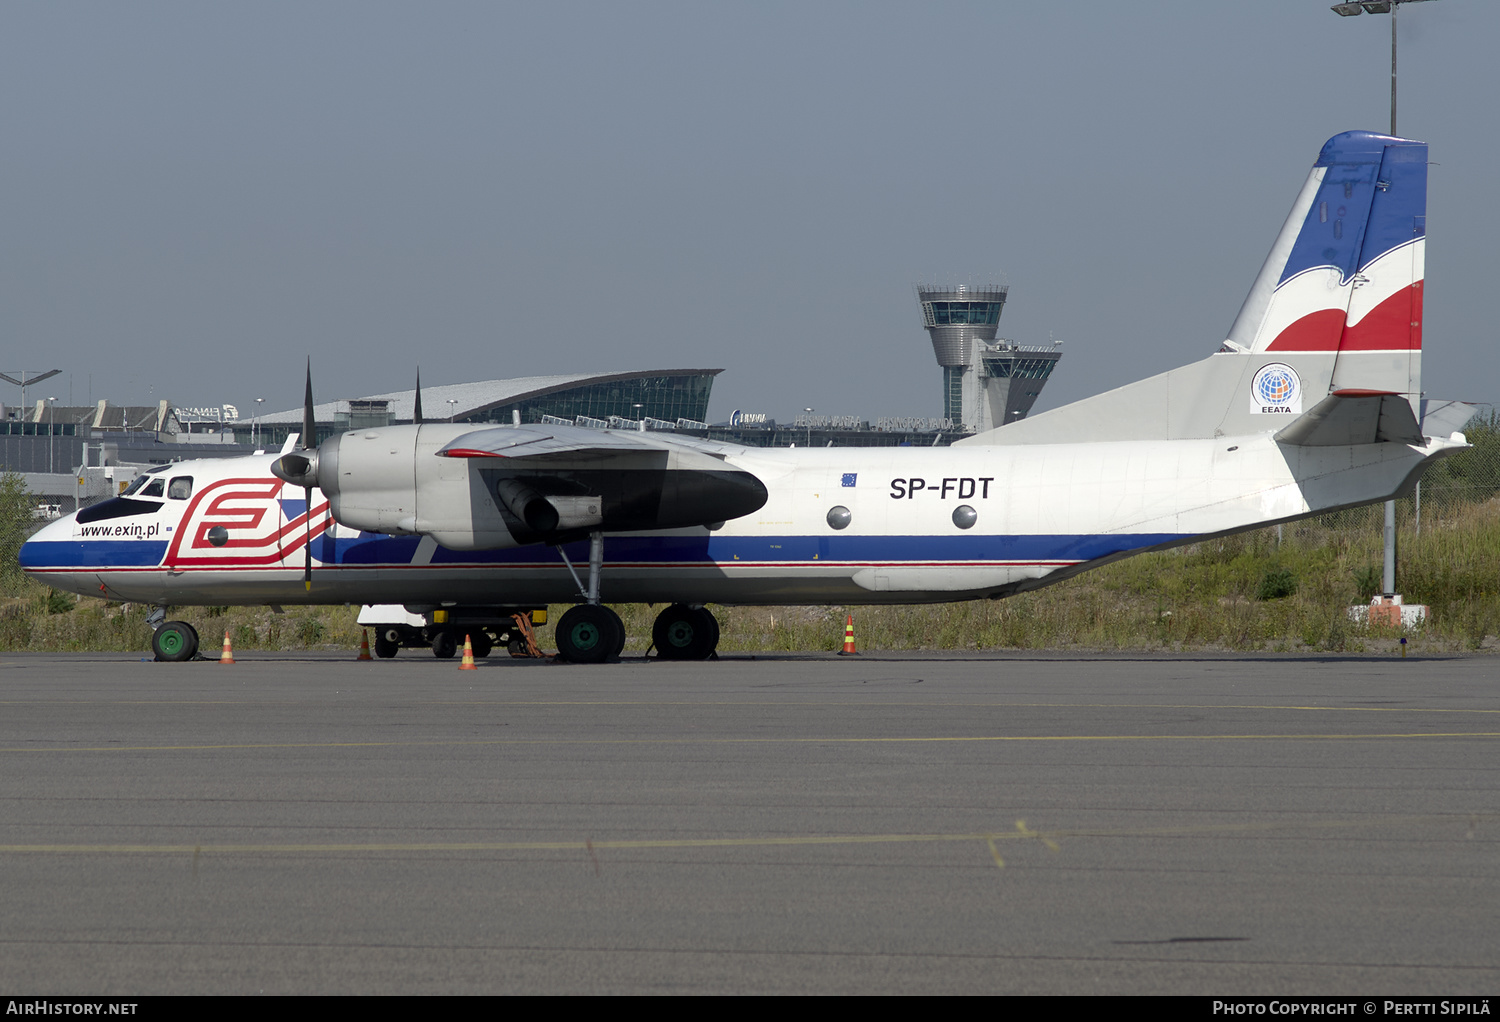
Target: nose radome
{"points": [[60, 531]]}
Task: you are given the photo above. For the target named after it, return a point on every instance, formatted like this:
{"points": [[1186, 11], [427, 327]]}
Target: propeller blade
{"points": [[416, 415], [307, 547], [309, 421]]}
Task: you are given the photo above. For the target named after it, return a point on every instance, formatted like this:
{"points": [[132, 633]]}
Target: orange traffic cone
{"points": [[468, 664], [849, 649], [226, 657], [364, 645]]}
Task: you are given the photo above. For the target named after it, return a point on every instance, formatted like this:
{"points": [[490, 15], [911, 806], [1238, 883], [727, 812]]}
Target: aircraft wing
{"points": [[1355, 417], [542, 441], [551, 481]]}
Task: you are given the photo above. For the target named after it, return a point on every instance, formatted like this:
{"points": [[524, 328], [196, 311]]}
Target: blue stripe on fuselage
{"points": [[712, 548], [92, 553], [374, 550]]}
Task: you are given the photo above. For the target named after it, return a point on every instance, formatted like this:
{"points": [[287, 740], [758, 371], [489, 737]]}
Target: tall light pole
{"points": [[1391, 7], [1349, 10], [255, 429], [26, 381]]}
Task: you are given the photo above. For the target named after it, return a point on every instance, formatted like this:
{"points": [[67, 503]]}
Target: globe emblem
{"points": [[1276, 386]]}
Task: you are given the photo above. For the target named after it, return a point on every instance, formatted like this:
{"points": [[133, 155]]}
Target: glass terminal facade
{"points": [[682, 395], [659, 397]]}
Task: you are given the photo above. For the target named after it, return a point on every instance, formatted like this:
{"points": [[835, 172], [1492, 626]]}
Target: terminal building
{"points": [[663, 398], [72, 456]]}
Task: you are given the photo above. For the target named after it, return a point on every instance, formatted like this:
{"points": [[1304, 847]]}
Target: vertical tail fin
{"points": [[1337, 306], [1345, 276]]}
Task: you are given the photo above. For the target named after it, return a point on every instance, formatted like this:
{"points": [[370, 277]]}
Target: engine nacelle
{"points": [[392, 480]]}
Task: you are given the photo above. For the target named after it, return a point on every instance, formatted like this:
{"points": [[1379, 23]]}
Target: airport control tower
{"points": [[986, 382]]}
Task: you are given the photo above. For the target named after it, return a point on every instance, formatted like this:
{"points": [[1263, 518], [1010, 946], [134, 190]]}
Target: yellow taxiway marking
{"points": [[775, 704], [479, 742], [1022, 832]]}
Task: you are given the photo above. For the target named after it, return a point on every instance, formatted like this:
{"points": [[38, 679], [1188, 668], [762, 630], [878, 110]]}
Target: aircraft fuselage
{"points": [[839, 525]]}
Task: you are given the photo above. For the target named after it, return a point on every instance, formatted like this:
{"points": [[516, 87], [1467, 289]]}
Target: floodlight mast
{"points": [[27, 381], [1391, 7], [1349, 10]]}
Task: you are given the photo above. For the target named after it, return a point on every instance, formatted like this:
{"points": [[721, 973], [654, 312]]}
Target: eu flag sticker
{"points": [[849, 478]]}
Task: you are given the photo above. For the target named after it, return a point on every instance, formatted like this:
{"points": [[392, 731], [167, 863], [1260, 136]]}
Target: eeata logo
{"points": [[1276, 390]]}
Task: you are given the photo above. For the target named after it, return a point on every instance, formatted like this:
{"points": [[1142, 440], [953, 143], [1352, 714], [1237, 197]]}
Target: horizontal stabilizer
{"points": [[1350, 417], [1441, 418]]}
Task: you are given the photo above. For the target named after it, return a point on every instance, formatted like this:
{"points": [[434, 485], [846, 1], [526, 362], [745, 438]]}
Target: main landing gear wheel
{"points": [[590, 634], [444, 645], [684, 633], [619, 646], [174, 641]]}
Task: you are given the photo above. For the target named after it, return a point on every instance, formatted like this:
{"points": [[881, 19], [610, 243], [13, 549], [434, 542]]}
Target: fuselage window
{"points": [[180, 488], [153, 489]]}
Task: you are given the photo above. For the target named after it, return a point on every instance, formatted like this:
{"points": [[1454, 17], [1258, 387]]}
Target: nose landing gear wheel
{"points": [[683, 633], [174, 641], [590, 634]]}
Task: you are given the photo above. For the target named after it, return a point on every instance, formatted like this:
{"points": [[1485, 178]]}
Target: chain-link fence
{"points": [[1449, 489]]}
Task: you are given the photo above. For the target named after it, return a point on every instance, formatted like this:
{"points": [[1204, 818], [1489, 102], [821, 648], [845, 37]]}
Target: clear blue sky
{"points": [[199, 195]]}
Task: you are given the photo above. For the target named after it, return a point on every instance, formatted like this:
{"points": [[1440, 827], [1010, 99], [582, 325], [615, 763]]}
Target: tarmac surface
{"points": [[789, 824]]}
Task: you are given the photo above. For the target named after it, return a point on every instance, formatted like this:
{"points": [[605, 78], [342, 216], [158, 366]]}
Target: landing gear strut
{"points": [[589, 633]]}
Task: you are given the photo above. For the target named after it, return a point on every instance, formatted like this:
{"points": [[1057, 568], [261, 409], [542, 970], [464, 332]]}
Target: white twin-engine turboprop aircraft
{"points": [[1307, 407]]}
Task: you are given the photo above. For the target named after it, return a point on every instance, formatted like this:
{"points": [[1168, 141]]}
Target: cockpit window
{"points": [[142, 480], [153, 489], [180, 488]]}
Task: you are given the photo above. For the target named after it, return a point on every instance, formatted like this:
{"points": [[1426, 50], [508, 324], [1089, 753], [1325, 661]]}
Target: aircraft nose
{"points": [[38, 549]]}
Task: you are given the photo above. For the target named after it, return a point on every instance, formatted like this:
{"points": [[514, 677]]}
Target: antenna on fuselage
{"points": [[416, 412]]}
